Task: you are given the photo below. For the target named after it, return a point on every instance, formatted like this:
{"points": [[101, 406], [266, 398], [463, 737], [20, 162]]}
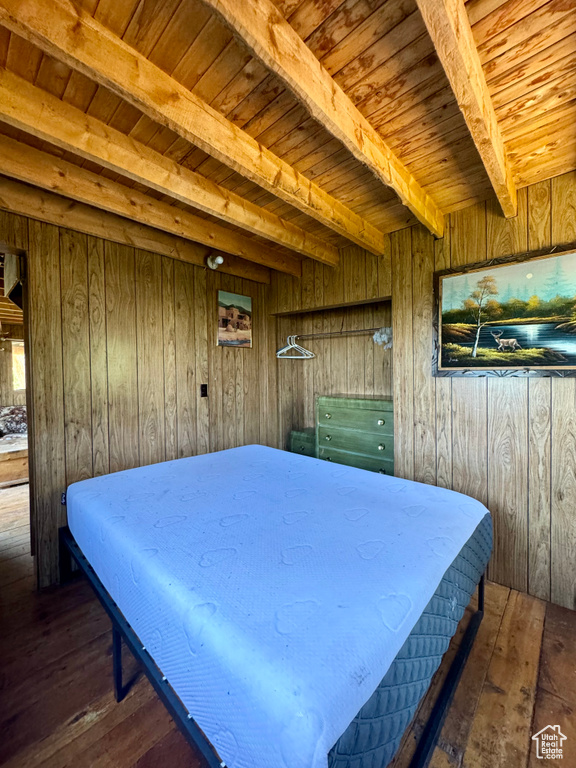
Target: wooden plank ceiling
{"points": [[287, 131]]}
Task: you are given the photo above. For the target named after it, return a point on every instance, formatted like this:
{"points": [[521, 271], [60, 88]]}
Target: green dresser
{"points": [[303, 441], [356, 431]]}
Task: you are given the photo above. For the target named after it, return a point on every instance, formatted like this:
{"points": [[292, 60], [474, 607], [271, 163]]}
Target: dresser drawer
{"points": [[303, 442], [383, 465], [378, 421], [358, 442]]}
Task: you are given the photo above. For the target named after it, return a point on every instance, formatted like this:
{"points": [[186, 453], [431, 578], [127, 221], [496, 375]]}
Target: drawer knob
{"points": [[328, 438], [328, 415], [302, 447], [381, 447], [328, 458], [381, 422], [381, 471]]}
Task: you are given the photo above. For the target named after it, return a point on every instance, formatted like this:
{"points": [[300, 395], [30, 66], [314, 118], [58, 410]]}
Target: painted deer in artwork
{"points": [[505, 344]]}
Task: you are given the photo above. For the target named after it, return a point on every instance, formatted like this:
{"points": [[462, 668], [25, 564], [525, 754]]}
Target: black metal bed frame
{"points": [[121, 630], [429, 738]]}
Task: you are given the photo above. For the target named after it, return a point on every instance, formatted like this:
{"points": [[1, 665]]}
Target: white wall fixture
{"points": [[214, 261]]}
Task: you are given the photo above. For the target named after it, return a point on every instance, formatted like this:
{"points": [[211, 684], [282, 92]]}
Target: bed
{"points": [[295, 610]]}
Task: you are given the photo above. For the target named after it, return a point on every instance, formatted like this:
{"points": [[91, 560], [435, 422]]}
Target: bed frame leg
{"points": [[119, 691], [64, 557], [481, 594], [429, 738]]}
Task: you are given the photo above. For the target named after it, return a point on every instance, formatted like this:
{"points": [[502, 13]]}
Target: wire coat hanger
{"points": [[291, 346]]}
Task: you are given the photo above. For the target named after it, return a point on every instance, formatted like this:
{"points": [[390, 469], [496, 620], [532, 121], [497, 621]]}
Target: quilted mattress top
{"points": [[273, 590]]}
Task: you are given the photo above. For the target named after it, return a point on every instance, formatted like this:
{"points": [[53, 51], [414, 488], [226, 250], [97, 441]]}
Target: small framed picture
{"points": [[234, 320]]}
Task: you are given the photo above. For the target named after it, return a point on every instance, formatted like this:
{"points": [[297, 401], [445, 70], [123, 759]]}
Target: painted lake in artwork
{"points": [[532, 336]]}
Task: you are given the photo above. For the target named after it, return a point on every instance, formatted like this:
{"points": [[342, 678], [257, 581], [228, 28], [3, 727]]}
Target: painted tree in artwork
{"points": [[481, 306], [557, 283]]}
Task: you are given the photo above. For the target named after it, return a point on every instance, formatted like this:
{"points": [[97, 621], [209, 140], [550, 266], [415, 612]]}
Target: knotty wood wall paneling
{"points": [[443, 420], [424, 385], [215, 371], [358, 277], [469, 396], [563, 484], [120, 341], [98, 356], [539, 421], [508, 429], [169, 352], [150, 357], [185, 359], [228, 382], [200, 346], [123, 424], [76, 355], [403, 379], [46, 435]]}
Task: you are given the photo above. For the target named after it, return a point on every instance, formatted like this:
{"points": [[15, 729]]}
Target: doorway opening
{"points": [[13, 411]]}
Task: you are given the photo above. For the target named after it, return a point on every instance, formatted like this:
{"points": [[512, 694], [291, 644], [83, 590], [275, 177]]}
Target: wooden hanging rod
{"points": [[336, 333]]}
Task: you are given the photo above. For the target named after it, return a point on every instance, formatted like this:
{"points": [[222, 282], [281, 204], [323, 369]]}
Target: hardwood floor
{"points": [[57, 707]]}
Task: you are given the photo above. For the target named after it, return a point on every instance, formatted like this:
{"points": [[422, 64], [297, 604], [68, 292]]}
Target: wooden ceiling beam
{"points": [[260, 25], [25, 163], [62, 212], [448, 25], [72, 36], [24, 106]]}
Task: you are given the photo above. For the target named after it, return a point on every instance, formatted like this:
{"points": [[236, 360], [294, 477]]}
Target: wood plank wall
{"points": [[8, 395], [121, 338], [120, 341], [511, 443]]}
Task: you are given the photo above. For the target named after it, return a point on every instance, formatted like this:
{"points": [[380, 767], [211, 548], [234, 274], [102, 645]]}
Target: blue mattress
{"points": [[373, 737], [275, 591]]}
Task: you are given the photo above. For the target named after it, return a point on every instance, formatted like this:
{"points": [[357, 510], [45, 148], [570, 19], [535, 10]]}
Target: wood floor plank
{"points": [[500, 734], [60, 636], [558, 663], [11, 521], [16, 536], [454, 736], [26, 616], [552, 710], [175, 745], [60, 691], [19, 567], [80, 732], [129, 740], [16, 550]]}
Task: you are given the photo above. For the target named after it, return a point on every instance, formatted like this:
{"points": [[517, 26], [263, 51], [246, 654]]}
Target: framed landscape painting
{"points": [[234, 320], [508, 315]]}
